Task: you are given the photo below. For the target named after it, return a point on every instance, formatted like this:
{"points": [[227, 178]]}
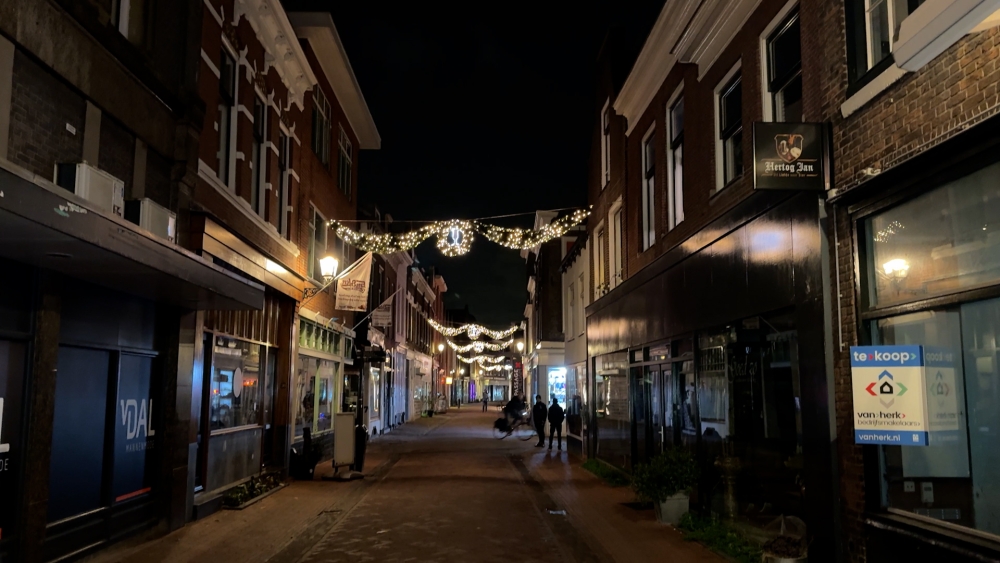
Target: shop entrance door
{"points": [[661, 407], [640, 383]]}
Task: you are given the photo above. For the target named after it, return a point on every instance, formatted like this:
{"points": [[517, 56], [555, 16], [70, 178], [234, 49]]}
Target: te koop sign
{"points": [[890, 405]]}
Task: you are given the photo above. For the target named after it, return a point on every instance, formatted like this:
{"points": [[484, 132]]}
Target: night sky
{"points": [[481, 113]]}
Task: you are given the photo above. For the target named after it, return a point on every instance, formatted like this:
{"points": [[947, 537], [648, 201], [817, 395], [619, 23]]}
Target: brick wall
{"points": [[116, 154], [41, 107]]}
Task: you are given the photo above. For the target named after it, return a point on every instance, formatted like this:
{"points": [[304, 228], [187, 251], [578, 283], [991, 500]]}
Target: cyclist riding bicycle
{"points": [[514, 411]]}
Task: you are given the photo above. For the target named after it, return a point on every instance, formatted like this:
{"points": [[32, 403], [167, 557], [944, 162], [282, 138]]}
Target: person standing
{"points": [[485, 403], [556, 417], [538, 414]]}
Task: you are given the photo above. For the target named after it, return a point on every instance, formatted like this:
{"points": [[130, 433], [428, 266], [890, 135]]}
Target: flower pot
{"points": [[671, 510]]}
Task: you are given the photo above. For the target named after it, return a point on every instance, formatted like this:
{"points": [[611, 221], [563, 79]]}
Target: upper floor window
{"points": [[784, 70], [873, 27], [344, 164], [600, 283], [675, 162], [616, 244], [284, 181], [582, 325], [571, 311], [227, 115], [131, 18], [606, 144], [731, 129], [317, 242], [258, 193], [321, 126], [648, 189]]}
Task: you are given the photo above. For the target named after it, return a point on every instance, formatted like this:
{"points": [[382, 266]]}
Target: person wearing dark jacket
{"points": [[556, 417], [538, 414]]}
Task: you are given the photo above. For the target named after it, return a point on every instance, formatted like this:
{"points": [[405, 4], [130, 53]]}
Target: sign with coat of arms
{"points": [[790, 156]]}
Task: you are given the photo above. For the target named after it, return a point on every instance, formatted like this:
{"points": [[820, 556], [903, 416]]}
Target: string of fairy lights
{"points": [[473, 330], [483, 360], [480, 346], [455, 236]]}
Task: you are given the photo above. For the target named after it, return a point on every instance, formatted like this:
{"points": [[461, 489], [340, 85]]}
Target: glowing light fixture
{"points": [[897, 268]]}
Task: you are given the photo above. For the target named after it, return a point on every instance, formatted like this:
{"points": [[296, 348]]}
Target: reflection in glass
{"points": [[944, 241], [236, 387]]}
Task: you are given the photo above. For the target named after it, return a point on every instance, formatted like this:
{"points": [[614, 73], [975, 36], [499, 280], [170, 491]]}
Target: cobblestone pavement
{"points": [[436, 489]]}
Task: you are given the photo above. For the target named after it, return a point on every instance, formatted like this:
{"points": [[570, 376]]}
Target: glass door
{"points": [[642, 434]]}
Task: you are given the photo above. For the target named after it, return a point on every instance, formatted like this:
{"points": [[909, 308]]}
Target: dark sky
{"points": [[481, 113]]}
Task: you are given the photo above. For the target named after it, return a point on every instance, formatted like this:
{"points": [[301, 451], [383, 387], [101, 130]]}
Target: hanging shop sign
{"points": [[353, 285], [790, 156], [890, 405], [382, 316]]}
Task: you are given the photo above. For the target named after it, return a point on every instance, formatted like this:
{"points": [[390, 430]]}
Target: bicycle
{"points": [[522, 429]]}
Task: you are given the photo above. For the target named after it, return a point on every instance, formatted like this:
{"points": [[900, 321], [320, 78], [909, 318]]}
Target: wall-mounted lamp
{"points": [[520, 346], [328, 269], [440, 347]]}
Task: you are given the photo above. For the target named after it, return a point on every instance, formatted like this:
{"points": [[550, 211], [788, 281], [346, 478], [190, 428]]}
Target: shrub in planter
{"points": [[666, 481]]}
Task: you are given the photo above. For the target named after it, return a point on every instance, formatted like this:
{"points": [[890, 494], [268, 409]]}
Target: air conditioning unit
{"points": [[153, 217], [96, 186]]}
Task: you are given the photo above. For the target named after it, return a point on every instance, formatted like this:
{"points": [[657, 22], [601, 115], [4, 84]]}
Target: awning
{"points": [[48, 227]]}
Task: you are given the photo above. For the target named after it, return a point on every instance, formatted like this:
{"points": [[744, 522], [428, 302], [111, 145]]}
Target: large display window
{"points": [[11, 448], [237, 384], [942, 244]]}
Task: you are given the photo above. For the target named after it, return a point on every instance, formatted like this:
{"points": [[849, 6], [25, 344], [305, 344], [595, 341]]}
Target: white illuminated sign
{"points": [[4, 448]]}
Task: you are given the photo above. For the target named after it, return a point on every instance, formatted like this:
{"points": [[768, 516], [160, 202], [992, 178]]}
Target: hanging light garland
{"points": [[496, 367], [481, 359], [473, 331], [480, 346], [454, 237]]}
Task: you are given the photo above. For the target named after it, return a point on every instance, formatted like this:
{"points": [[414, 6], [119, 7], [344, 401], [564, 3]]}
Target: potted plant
{"points": [[666, 481]]}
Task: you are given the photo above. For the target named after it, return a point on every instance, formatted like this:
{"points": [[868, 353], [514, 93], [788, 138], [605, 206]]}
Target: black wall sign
{"points": [[790, 156]]}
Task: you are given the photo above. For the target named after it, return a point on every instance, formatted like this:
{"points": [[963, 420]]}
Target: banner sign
{"points": [[790, 156], [353, 285], [944, 417], [383, 315], [890, 405]]}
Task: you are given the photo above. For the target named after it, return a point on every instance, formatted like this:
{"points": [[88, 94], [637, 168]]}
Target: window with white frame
{"points": [[317, 242], [582, 325], [648, 171], [284, 181], [606, 143], [227, 115], [600, 281], [344, 163], [258, 160], [784, 70], [873, 28], [675, 161], [731, 129], [321, 126], [615, 241]]}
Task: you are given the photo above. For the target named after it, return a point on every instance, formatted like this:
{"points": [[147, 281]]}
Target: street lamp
{"points": [[441, 347], [328, 270], [520, 346]]}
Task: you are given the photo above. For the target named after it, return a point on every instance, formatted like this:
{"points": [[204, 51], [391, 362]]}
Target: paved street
{"points": [[440, 489]]}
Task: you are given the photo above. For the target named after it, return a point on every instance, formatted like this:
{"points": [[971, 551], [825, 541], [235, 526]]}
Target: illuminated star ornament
{"points": [[479, 347], [455, 236], [473, 331]]}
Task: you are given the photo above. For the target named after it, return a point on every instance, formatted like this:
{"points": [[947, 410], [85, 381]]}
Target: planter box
{"points": [[671, 510], [776, 559], [255, 499]]}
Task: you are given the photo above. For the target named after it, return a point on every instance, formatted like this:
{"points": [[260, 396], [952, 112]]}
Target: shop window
{"points": [[675, 162], [648, 189], [942, 242], [956, 478], [731, 129], [314, 394], [784, 70], [873, 27], [11, 449], [237, 382], [227, 116], [376, 387], [713, 387]]}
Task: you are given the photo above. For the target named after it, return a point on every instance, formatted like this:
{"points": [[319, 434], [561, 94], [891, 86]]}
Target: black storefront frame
{"points": [[894, 531], [645, 309]]}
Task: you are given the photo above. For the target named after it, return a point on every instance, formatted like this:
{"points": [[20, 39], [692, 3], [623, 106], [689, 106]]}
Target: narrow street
{"points": [[439, 489]]}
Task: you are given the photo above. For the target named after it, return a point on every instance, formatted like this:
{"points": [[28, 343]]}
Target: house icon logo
{"points": [[888, 389]]}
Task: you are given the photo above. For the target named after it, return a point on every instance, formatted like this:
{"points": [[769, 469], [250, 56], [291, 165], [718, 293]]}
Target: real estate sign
{"points": [[890, 395]]}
